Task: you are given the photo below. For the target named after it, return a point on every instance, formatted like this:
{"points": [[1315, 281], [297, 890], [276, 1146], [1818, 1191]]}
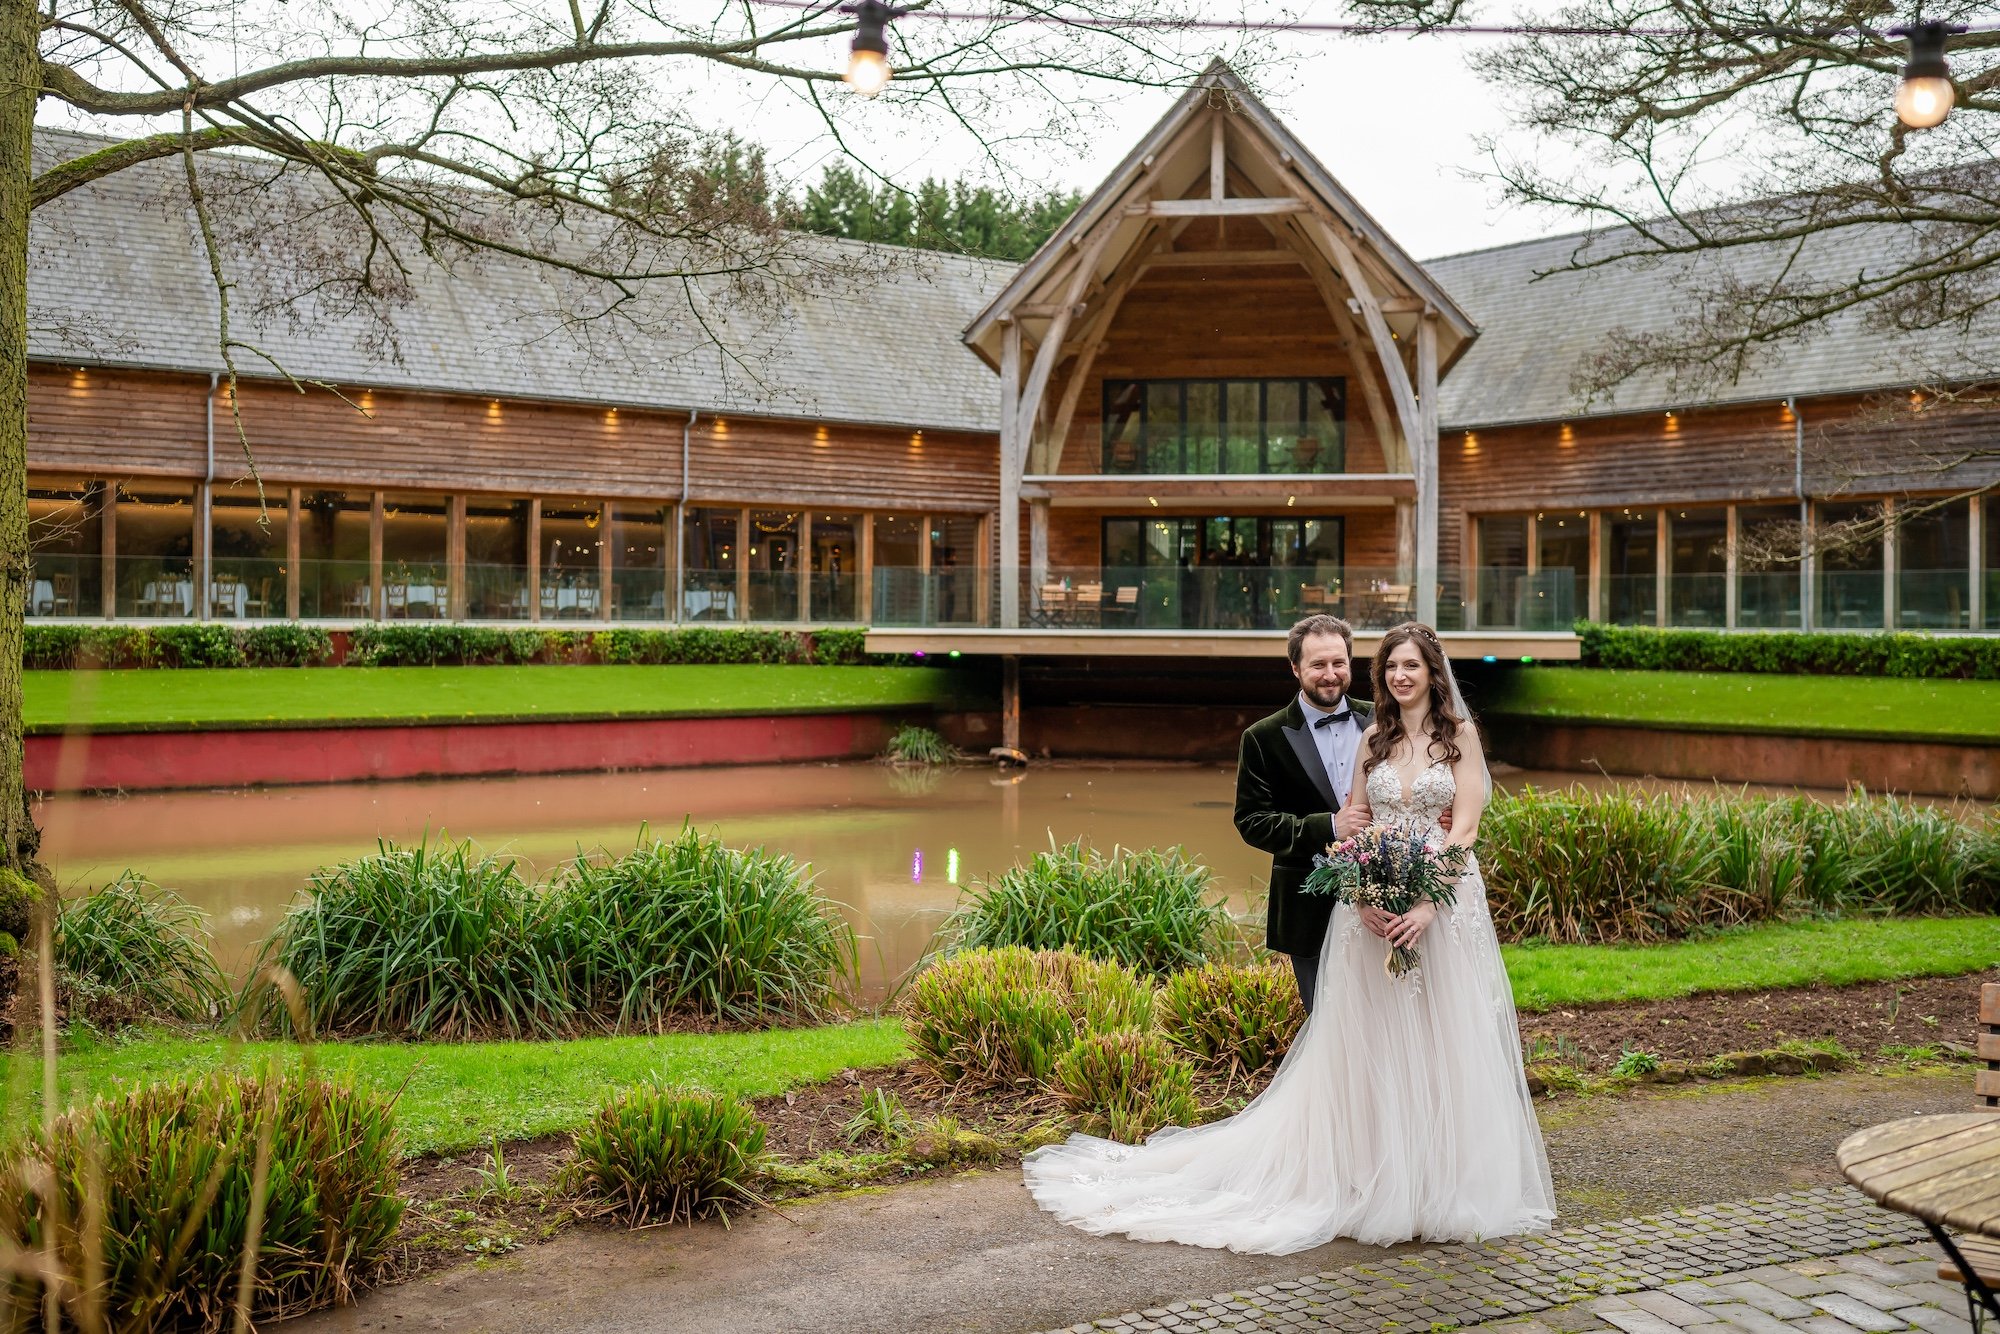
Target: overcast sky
{"points": [[1396, 119]]}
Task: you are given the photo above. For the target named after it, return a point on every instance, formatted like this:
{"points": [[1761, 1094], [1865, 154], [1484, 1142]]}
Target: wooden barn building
{"points": [[1220, 397]]}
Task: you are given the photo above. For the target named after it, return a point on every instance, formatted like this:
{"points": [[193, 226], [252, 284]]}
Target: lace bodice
{"points": [[1429, 797]]}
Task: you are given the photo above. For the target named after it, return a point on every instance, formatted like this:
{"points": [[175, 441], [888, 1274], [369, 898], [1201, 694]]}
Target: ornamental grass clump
{"points": [[1002, 1018], [686, 925], [1153, 910], [663, 1155], [1231, 1020], [152, 1198], [435, 941], [1124, 1085], [920, 746], [141, 948], [1626, 866]]}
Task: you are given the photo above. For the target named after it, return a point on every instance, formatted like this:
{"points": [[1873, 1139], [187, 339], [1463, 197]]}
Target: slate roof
{"points": [[118, 277]]}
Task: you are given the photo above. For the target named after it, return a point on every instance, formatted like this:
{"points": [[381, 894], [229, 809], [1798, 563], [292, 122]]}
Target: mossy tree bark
{"points": [[20, 83]]}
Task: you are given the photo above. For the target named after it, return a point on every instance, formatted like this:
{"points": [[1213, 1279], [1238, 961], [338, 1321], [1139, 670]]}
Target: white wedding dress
{"points": [[1400, 1112]]}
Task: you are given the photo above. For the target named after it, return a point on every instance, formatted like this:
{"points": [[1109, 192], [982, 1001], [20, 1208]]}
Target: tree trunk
{"points": [[20, 82]]}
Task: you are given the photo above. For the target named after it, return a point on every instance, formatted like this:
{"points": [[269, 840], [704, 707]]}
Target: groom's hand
{"points": [[1444, 821], [1350, 820], [1377, 921]]}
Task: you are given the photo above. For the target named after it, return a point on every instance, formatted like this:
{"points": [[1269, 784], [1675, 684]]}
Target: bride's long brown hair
{"points": [[1444, 721]]}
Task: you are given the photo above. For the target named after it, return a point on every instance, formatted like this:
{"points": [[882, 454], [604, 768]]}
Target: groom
{"points": [[1298, 787]]}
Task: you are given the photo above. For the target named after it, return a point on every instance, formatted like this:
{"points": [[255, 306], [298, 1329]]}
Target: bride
{"points": [[1401, 1110]]}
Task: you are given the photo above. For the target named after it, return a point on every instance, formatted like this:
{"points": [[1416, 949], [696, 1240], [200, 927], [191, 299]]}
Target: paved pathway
{"points": [[1820, 1261]]}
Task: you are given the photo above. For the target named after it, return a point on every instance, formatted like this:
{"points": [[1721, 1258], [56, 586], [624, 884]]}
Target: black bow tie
{"points": [[1328, 719]]}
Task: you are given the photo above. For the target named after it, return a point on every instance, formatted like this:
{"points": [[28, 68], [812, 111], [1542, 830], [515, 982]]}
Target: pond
{"points": [[894, 848]]}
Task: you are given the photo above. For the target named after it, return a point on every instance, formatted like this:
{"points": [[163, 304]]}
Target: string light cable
{"points": [[1924, 96]]}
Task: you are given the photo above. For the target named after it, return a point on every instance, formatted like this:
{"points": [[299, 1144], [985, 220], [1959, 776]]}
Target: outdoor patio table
{"points": [[1943, 1171]]}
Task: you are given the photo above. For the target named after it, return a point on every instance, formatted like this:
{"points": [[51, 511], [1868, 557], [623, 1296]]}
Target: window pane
{"points": [[1849, 579], [954, 569], [1243, 413], [1697, 567], [155, 537], [413, 556], [1503, 568], [1990, 529], [1767, 584], [1934, 566], [1122, 435], [1558, 592], [1163, 426], [1323, 443], [66, 535], [333, 555], [639, 562], [708, 566], [836, 566], [496, 558], [899, 594], [1204, 427], [1631, 561], [774, 565], [247, 562], [1284, 418]]}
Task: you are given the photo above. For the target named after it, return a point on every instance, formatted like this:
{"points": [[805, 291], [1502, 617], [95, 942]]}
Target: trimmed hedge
{"points": [[1930, 657], [286, 644]]}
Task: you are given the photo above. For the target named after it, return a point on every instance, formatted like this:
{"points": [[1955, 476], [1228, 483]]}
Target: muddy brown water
{"points": [[894, 848]]}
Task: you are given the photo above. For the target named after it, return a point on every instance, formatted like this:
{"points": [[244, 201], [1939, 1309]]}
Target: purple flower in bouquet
{"points": [[1392, 869]]}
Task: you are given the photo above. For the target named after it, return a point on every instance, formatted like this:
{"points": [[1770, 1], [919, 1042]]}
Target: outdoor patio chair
{"points": [[1982, 1253], [61, 600], [258, 603]]}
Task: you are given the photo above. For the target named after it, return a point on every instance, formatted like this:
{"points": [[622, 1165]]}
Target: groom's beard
{"points": [[1326, 700]]}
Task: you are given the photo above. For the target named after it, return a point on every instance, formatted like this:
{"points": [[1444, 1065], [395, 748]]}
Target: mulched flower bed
{"points": [[1864, 1018]]}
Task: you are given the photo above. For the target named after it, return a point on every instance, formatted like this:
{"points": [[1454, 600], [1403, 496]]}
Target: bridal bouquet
{"points": [[1391, 869]]}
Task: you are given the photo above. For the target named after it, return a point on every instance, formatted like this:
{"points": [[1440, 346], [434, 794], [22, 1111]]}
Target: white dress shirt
{"points": [[1338, 744]]}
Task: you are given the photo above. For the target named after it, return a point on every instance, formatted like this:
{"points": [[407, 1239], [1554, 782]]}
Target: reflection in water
{"points": [[891, 849]]}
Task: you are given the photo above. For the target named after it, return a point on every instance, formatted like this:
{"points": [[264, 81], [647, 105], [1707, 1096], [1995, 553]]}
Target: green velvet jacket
{"points": [[1284, 806]]}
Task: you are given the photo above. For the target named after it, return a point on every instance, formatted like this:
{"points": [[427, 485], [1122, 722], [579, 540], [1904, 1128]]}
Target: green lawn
{"points": [[457, 1096], [1893, 707], [293, 696], [1754, 959]]}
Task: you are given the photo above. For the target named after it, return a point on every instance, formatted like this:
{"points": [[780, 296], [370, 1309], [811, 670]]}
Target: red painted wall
{"points": [[151, 761]]}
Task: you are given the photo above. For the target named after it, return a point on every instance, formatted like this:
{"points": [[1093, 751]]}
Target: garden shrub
{"points": [[1930, 657], [432, 941], [1622, 865], [1150, 908], [287, 644], [1231, 1019], [1002, 1018], [419, 644], [844, 648], [168, 1171], [142, 949], [920, 745], [688, 924], [662, 1155], [196, 644], [1124, 1085], [51, 647]]}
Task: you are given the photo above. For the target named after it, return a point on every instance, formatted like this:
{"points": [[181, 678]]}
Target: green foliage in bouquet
{"points": [[1392, 869]]}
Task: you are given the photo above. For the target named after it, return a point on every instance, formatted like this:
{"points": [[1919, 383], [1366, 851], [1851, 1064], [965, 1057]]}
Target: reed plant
{"points": [[920, 746], [1621, 865], [141, 948], [1232, 1020], [1152, 909], [686, 925], [434, 941], [1126, 1084], [151, 1205], [662, 1155], [1002, 1018]]}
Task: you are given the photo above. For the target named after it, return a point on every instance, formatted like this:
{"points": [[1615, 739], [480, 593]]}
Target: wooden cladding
{"points": [[134, 423]]}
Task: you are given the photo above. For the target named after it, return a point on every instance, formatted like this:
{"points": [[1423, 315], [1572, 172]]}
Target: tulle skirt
{"points": [[1400, 1113]]}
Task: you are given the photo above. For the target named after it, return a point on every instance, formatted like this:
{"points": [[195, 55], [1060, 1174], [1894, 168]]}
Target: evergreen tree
{"points": [[958, 216]]}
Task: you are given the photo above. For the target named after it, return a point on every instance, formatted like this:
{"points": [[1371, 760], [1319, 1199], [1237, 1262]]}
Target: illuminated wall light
{"points": [[493, 409], [1471, 443], [1153, 501], [611, 417], [79, 378], [1568, 434]]}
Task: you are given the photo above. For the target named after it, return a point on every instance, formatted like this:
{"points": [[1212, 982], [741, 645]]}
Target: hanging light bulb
{"points": [[1925, 96], [868, 69]]}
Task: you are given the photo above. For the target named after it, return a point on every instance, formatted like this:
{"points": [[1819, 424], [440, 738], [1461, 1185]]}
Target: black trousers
{"points": [[1305, 967]]}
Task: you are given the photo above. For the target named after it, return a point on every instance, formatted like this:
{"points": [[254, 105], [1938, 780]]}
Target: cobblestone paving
{"points": [[1821, 1261]]}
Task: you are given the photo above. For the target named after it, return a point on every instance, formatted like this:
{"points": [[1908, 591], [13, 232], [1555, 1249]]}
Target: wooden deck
{"points": [[1551, 646]]}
